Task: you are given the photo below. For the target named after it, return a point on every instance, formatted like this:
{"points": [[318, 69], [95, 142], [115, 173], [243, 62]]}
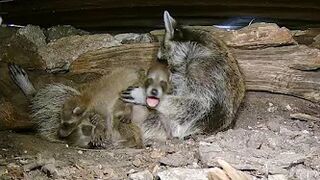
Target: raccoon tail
{"points": [[21, 79]]}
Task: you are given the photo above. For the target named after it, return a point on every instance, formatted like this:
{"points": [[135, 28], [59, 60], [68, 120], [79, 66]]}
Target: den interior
{"points": [[276, 45]]}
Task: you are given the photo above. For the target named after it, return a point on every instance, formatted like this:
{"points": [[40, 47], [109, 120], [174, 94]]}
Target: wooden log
{"points": [[13, 118], [103, 60], [256, 35], [290, 70]]}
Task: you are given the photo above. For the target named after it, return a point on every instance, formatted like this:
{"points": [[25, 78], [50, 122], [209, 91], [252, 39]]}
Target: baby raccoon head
{"points": [[81, 136], [72, 112], [157, 84]]}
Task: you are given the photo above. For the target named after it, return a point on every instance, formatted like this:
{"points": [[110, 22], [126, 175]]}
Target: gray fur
{"points": [[46, 103], [207, 84], [46, 108]]}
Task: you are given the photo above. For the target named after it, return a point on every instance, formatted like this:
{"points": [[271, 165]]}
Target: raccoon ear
{"points": [[169, 23], [77, 110]]}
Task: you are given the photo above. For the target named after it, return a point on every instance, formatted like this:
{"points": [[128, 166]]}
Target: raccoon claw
{"points": [[131, 88], [16, 69], [99, 140], [126, 95], [94, 118], [128, 100], [125, 119], [98, 144]]}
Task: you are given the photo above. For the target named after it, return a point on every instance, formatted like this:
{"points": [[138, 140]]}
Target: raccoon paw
{"points": [[17, 73], [134, 95], [20, 78], [95, 118], [125, 119], [100, 140]]}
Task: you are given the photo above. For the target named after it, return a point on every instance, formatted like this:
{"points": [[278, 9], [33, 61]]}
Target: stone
{"points": [[59, 54], [274, 125], [155, 154], [301, 172], [137, 162], [129, 38], [177, 159], [184, 173], [21, 48], [277, 177], [60, 31], [143, 175], [34, 34]]}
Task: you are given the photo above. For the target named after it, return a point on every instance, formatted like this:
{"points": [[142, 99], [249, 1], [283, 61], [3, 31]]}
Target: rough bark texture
{"points": [[288, 70], [269, 57], [104, 60], [13, 118], [270, 61]]}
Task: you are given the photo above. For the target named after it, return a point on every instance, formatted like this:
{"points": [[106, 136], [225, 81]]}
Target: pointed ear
{"points": [[78, 111], [170, 24]]}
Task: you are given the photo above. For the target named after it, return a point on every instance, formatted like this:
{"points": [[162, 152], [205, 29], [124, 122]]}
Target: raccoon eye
{"points": [[148, 82], [67, 125], [163, 60], [164, 85]]}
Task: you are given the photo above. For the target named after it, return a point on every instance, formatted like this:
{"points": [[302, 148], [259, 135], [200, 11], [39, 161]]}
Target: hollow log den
{"points": [[159, 95]]}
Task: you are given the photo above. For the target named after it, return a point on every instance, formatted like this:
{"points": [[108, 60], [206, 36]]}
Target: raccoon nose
{"points": [[154, 92]]}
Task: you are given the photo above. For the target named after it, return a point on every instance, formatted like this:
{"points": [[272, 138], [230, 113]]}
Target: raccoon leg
{"points": [[122, 112], [180, 115], [21, 79], [154, 128], [101, 137]]}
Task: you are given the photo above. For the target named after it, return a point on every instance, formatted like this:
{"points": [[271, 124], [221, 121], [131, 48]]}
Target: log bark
{"points": [[102, 61], [289, 69], [13, 118], [269, 57]]}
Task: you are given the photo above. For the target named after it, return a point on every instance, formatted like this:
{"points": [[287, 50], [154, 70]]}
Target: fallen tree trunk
{"points": [[290, 70], [269, 57], [103, 60]]}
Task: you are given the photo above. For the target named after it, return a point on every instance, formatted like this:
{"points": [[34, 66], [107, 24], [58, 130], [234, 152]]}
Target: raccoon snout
{"points": [[154, 92]]}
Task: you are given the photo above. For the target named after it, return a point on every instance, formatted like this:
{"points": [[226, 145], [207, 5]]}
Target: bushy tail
{"points": [[21, 79]]}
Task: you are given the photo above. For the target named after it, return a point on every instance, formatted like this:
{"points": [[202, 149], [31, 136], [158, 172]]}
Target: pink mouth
{"points": [[152, 102]]}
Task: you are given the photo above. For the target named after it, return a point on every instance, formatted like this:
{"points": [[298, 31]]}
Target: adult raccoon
{"points": [[208, 86]]}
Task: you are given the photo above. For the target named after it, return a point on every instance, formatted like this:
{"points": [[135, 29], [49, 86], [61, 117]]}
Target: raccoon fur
{"points": [[45, 103], [208, 86]]}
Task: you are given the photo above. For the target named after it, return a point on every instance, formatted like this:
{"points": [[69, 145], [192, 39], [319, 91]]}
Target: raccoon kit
{"points": [[93, 116]]}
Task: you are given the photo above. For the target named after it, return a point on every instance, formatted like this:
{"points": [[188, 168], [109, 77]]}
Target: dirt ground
{"points": [[25, 156]]}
